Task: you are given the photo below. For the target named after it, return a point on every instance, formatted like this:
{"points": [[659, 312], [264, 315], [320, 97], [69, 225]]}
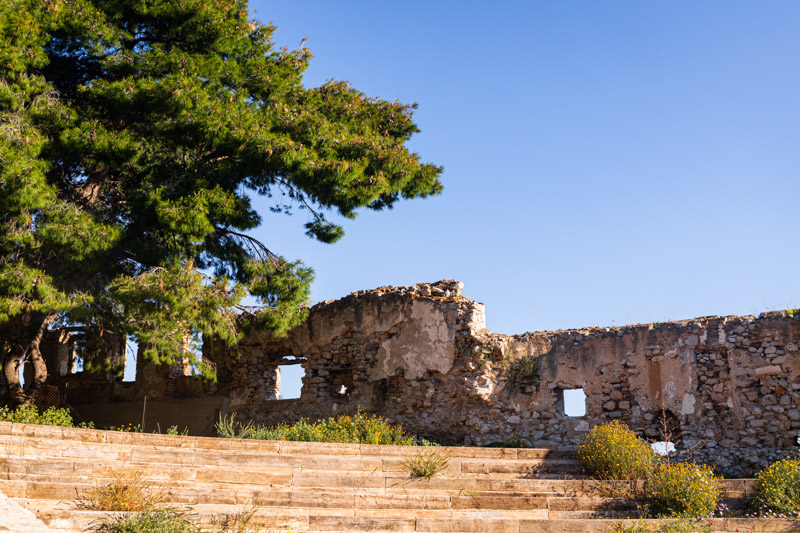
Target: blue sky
{"points": [[605, 162]]}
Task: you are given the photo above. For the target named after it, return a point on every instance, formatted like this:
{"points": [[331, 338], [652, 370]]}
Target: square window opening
{"points": [[291, 381], [573, 402]]}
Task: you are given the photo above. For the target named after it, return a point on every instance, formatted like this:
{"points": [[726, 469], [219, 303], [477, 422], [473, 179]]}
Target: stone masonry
{"points": [[727, 387]]}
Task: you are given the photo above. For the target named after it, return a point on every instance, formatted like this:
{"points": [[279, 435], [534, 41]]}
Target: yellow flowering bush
{"points": [[779, 489], [683, 489], [613, 451]]}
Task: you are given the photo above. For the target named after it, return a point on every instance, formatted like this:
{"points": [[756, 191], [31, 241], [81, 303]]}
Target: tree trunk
{"points": [[26, 346]]}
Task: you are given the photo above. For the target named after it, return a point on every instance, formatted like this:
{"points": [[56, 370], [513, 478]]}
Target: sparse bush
{"points": [[778, 491], [235, 523], [683, 489], [613, 451], [157, 521], [128, 491], [360, 428], [425, 464], [28, 414], [680, 525]]}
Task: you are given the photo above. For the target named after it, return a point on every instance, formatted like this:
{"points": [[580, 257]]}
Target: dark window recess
{"points": [[341, 383]]}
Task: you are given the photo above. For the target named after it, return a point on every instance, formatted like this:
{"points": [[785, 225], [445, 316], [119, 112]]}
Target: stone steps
{"points": [[337, 521], [317, 486]]}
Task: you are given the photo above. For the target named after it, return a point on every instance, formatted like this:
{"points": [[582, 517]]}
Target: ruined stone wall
{"points": [[421, 356]]}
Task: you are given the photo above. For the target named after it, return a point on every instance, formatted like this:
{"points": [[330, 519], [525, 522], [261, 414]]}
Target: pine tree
{"points": [[132, 136]]}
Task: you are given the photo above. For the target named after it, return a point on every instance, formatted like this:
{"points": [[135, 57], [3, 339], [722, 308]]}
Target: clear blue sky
{"points": [[605, 162]]}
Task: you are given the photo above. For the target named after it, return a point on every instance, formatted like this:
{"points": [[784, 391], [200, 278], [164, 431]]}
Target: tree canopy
{"points": [[133, 134]]}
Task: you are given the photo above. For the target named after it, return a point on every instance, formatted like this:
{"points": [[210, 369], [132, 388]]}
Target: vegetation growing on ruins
{"points": [[29, 414], [613, 451], [134, 136], [683, 489], [158, 521], [425, 464], [522, 371], [679, 525], [359, 428], [128, 491], [778, 491]]}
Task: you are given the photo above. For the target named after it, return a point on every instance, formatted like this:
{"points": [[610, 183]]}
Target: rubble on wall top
{"points": [[446, 288]]}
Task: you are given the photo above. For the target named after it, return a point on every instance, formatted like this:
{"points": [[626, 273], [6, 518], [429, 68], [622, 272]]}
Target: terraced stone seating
{"points": [[320, 487]]}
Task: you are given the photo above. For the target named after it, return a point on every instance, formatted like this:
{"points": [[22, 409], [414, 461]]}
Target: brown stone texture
{"points": [[726, 387]]}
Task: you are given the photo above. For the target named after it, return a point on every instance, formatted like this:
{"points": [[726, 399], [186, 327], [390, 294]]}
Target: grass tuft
{"points": [[425, 464]]}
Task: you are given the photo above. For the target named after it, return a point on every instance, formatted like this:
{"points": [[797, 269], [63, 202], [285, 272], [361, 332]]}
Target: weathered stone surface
{"points": [[771, 370], [421, 356]]}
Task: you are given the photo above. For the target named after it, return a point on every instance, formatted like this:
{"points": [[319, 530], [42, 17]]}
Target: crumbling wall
{"points": [[421, 356]]}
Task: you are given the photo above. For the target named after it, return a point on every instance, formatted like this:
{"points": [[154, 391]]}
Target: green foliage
{"points": [[425, 464], [680, 525], [134, 136], [792, 312], [28, 414], [173, 430], [158, 521], [683, 489], [522, 370], [778, 489], [359, 428], [613, 451]]}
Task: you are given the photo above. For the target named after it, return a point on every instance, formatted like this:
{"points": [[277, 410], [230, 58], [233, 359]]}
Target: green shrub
{"points": [[683, 489], [28, 414], [613, 451], [778, 490], [360, 428], [425, 464], [160, 521]]}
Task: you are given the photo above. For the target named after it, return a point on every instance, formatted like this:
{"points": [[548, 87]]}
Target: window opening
{"points": [[574, 402], [130, 362], [291, 377]]}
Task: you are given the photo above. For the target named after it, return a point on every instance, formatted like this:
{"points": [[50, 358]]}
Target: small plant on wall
{"points": [[522, 371]]}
